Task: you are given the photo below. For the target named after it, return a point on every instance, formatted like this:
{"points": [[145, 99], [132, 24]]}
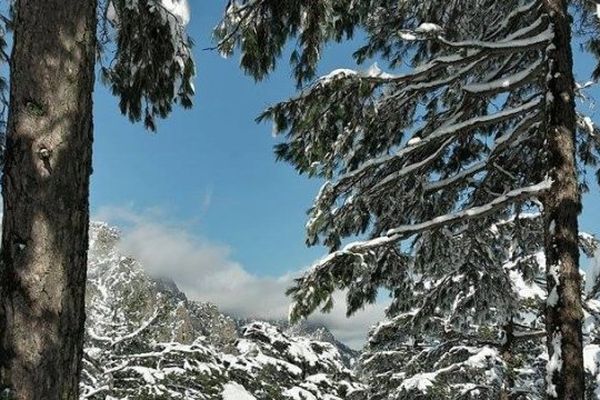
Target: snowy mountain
{"points": [[146, 340]]}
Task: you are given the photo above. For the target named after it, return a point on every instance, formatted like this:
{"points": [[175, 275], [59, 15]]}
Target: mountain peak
{"points": [[146, 340]]}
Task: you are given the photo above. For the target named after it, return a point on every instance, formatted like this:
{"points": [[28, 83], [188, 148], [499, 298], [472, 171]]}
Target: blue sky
{"points": [[203, 200], [209, 176], [212, 167]]}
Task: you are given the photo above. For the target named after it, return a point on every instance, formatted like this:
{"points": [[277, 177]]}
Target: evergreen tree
{"points": [[47, 165], [487, 342], [481, 125]]}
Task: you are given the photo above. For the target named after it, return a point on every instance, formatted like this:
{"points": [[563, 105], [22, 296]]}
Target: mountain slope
{"points": [[146, 340]]}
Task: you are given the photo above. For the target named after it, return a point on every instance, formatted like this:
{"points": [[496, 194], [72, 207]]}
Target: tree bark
{"points": [[562, 205], [45, 194], [506, 352]]}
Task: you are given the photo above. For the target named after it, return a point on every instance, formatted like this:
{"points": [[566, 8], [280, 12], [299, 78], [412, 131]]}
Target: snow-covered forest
{"points": [[146, 339], [454, 151]]}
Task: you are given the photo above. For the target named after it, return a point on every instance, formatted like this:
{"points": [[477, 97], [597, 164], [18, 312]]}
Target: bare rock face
{"points": [[146, 340]]}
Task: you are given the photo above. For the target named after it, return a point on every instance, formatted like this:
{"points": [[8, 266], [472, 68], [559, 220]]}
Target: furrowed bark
{"points": [[562, 205], [45, 193]]}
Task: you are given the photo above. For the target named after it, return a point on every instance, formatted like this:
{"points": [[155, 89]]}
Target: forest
{"points": [[449, 150]]}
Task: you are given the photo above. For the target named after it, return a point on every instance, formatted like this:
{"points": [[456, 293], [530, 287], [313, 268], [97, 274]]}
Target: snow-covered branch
{"points": [[307, 299], [507, 83], [442, 133]]}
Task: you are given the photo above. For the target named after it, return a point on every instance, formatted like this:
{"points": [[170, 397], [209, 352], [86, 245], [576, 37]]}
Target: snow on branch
{"points": [[514, 15], [441, 133], [411, 168], [477, 51], [401, 232], [587, 125], [307, 299], [429, 31], [479, 357], [516, 41], [501, 143], [507, 83], [528, 123]]}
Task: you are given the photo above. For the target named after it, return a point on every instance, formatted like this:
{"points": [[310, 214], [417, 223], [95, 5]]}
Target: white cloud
{"points": [[206, 271]]}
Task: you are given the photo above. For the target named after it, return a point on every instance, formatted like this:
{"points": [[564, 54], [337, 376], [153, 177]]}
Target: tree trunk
{"points": [[565, 375], [506, 352], [45, 195]]}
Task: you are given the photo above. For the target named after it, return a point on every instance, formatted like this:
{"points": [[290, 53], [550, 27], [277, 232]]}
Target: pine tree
{"points": [[482, 124], [47, 166], [487, 342], [471, 320]]}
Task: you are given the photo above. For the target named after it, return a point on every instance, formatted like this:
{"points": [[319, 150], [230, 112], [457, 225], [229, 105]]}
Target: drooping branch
{"points": [[307, 299]]}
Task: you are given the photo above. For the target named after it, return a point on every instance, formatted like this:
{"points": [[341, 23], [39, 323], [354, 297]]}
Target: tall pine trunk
{"points": [[45, 195], [562, 205]]}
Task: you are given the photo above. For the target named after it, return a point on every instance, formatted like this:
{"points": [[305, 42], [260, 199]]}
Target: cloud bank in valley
{"points": [[206, 271]]}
